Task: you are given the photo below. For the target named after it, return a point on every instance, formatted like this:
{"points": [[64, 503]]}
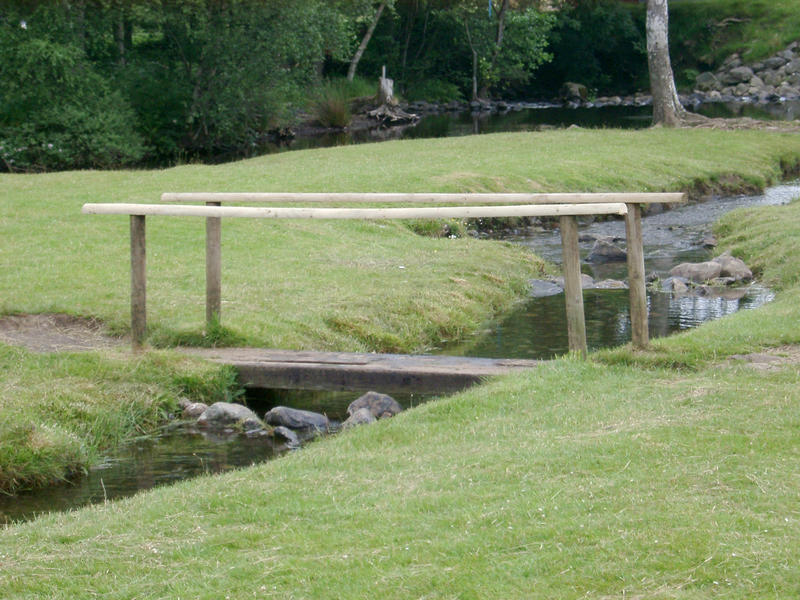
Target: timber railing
{"points": [[564, 206]]}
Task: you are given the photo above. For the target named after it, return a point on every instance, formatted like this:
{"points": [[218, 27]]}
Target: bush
{"points": [[56, 112]]}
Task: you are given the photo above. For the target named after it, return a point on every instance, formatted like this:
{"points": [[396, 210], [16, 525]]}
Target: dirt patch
{"points": [[769, 360], [56, 333]]}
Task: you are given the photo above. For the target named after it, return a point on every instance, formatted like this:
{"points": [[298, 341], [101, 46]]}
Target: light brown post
{"points": [[213, 267], [571, 259], [138, 281], [638, 295]]}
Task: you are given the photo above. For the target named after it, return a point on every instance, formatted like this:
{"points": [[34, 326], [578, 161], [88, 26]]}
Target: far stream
{"points": [[535, 330]]}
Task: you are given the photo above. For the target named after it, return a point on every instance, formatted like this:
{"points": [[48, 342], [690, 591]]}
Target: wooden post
{"points": [[571, 259], [638, 294], [213, 268], [138, 282]]}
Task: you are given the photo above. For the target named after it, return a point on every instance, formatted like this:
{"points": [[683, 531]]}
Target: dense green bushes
{"points": [[89, 84]]}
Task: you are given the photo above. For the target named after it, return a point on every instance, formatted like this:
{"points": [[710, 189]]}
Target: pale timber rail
{"points": [[564, 206]]}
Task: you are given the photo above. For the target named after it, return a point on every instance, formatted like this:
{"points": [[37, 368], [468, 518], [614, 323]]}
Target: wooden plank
{"points": [[636, 277], [213, 269], [573, 292], [556, 198], [441, 212], [138, 281], [287, 369]]}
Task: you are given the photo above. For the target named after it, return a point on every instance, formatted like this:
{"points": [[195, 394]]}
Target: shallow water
{"points": [[538, 328]]}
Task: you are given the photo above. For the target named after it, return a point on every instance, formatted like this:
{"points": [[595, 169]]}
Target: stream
{"points": [[536, 329]]}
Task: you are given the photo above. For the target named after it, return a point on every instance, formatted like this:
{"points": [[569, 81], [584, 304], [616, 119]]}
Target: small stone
{"points": [[379, 405], [697, 272], [287, 434], [733, 267], [296, 419], [193, 410], [603, 252], [222, 414], [362, 416]]}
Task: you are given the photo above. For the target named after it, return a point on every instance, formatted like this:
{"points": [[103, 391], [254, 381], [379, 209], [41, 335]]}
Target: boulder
{"points": [[379, 405], [787, 91], [573, 92], [193, 410], [540, 288], [774, 62], [793, 66], [706, 82], [733, 267], [297, 419], [737, 75], [224, 414], [697, 272], [604, 251], [676, 285], [287, 434], [362, 416]]}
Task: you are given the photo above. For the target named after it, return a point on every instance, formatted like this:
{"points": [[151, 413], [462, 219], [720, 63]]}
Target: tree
{"points": [[351, 71], [667, 108]]}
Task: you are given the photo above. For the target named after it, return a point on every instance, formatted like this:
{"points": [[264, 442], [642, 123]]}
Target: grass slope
{"points": [[617, 477], [575, 480]]}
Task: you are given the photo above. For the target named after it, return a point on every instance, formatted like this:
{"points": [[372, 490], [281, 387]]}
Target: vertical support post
{"points": [[571, 259], [213, 267], [636, 283], [138, 282]]}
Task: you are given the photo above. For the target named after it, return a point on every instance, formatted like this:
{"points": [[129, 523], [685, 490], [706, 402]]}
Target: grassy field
{"points": [[422, 505], [616, 477]]}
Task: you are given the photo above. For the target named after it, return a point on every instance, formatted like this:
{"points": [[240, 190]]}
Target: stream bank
{"points": [[179, 452]]}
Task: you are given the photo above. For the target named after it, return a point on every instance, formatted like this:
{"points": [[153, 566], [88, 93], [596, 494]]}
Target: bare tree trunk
{"points": [[351, 72], [474, 61], [667, 109]]}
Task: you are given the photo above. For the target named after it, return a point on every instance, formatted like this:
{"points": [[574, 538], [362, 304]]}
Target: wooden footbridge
{"points": [[320, 370]]}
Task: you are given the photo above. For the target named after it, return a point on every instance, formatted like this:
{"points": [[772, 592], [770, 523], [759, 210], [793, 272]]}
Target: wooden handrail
{"points": [[564, 206], [449, 198]]}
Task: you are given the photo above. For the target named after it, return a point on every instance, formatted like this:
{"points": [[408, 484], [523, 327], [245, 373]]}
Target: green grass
{"points": [[60, 410], [579, 479], [616, 477], [301, 284]]}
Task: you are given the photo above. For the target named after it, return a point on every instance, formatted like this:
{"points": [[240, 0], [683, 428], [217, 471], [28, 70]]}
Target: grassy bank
{"points": [[600, 479], [321, 285], [60, 410]]}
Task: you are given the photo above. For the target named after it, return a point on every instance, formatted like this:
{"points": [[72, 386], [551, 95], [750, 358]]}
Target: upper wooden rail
{"points": [[491, 198]]}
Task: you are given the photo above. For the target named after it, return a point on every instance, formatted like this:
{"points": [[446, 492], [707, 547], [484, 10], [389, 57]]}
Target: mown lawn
{"points": [[608, 478], [662, 474]]}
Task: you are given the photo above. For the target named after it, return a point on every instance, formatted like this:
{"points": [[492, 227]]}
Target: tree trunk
{"points": [[474, 61], [667, 109], [351, 72]]}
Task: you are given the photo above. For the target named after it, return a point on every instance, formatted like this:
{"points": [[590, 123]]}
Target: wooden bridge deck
{"points": [[287, 369]]}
